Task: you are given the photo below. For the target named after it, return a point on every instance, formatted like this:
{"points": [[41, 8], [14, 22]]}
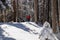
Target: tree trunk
{"points": [[36, 10], [14, 14], [54, 15]]}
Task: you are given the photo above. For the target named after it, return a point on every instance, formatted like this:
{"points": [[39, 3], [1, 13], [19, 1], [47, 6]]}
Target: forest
{"points": [[37, 11]]}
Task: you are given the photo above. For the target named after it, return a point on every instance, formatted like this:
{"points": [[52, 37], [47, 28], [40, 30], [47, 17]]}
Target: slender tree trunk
{"points": [[36, 10], [14, 14], [54, 13], [59, 11], [4, 18]]}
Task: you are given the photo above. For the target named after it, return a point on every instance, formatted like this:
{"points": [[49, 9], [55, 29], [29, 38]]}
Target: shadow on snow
{"points": [[2, 37]]}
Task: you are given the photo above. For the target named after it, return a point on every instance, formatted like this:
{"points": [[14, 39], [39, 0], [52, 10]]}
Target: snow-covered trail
{"points": [[25, 31]]}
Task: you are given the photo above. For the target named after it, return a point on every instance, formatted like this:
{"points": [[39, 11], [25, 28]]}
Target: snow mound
{"points": [[28, 31]]}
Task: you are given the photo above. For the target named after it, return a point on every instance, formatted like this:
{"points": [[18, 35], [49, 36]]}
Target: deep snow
{"points": [[26, 31]]}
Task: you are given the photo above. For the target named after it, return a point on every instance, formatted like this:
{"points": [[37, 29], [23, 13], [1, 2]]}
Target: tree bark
{"points": [[14, 7], [36, 10], [54, 13]]}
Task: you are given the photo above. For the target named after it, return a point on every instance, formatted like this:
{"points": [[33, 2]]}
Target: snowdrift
{"points": [[27, 31]]}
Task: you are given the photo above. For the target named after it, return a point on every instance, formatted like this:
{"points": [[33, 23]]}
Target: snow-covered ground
{"points": [[26, 31]]}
